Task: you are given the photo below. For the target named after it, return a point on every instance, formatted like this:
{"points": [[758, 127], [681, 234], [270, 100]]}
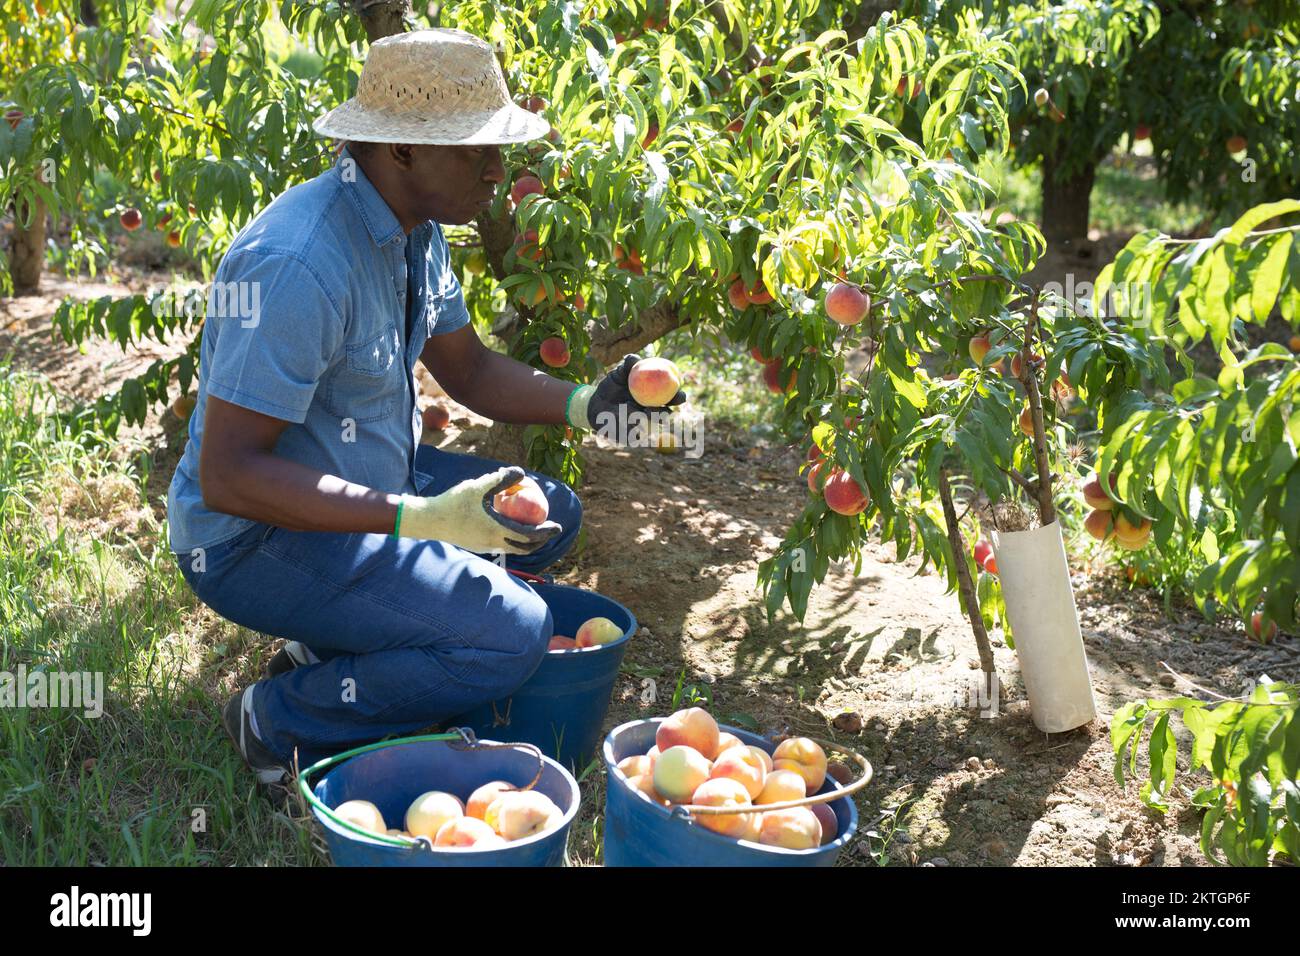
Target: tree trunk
{"points": [[89, 15], [1066, 201], [27, 249], [382, 18]]}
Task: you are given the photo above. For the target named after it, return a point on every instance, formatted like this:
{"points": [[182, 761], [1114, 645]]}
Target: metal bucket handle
{"points": [[467, 741], [688, 810]]}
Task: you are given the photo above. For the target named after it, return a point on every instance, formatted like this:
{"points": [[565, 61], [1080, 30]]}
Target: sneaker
{"points": [[293, 654], [238, 724]]}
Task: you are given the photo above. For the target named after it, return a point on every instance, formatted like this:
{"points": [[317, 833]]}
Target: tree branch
{"points": [[964, 584], [1029, 378]]}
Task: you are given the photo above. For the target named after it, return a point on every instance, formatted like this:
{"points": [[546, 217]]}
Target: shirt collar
{"points": [[375, 212]]}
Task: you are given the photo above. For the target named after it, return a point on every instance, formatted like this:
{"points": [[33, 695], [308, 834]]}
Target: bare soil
{"points": [[882, 664]]}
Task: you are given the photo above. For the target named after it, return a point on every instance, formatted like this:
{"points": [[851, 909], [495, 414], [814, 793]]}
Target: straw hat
{"points": [[437, 87]]}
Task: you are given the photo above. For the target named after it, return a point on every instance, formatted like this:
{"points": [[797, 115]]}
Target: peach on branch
{"points": [[1141, 132], [692, 727], [990, 564], [982, 550], [363, 814], [131, 219], [805, 757], [757, 355], [527, 245], [844, 495], [174, 239], [1132, 536], [524, 501], [1095, 495], [740, 765], [629, 260], [597, 630], [525, 186], [1018, 365], [1027, 422], [737, 295], [679, 771], [781, 786], [847, 304], [758, 295], [1236, 144], [483, 796], [429, 811], [979, 346], [815, 476], [1041, 97], [795, 828], [724, 792], [1100, 524], [771, 377], [654, 381], [183, 406], [1264, 630], [554, 351]]}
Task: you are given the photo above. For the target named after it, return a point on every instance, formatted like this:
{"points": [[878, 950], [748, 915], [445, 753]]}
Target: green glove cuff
{"points": [[575, 409]]}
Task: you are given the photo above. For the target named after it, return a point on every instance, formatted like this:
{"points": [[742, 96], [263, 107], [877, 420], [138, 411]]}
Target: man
{"points": [[304, 506]]}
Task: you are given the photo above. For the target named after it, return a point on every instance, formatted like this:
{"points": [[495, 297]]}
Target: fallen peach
{"points": [[805, 758], [690, 727], [654, 381], [1264, 631], [679, 771]]}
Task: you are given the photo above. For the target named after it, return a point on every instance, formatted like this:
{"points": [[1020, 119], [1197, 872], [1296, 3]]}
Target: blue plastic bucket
{"points": [[394, 773], [562, 707], [641, 833]]}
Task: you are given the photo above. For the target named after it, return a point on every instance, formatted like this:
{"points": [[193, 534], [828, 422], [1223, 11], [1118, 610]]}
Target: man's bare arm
{"points": [[240, 474], [494, 385]]}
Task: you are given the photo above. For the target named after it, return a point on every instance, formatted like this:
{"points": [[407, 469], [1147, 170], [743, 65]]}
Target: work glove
{"points": [[463, 515], [589, 402]]}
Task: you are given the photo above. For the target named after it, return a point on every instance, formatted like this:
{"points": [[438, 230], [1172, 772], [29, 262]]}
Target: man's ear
{"points": [[403, 155]]}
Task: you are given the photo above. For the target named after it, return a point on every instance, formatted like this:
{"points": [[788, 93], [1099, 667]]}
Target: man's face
{"points": [[453, 184]]}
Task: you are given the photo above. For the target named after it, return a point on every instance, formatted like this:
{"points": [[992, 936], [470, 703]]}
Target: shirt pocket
{"points": [[365, 386]]}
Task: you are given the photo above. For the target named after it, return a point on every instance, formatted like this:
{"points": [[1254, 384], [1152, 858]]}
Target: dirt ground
{"points": [[882, 663]]}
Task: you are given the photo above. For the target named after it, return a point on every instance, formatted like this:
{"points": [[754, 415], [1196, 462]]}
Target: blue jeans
{"points": [[409, 632]]}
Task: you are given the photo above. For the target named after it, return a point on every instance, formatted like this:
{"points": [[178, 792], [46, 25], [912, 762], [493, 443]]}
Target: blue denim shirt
{"points": [[307, 321]]}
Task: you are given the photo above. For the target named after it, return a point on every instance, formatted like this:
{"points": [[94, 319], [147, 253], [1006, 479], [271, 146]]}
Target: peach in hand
{"points": [[679, 771], [654, 381], [524, 501], [690, 727], [805, 758]]}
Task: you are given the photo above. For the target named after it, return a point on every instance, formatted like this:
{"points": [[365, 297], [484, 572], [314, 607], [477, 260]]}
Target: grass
{"points": [[87, 585]]}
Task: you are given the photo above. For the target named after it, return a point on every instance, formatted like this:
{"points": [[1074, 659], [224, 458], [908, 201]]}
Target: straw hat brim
{"points": [[509, 124]]}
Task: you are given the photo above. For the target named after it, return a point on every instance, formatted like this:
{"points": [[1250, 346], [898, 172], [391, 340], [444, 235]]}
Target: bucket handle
{"points": [[688, 810], [467, 741]]}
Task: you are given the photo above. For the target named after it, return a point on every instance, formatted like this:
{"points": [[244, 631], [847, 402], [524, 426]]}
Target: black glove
{"points": [[611, 394]]}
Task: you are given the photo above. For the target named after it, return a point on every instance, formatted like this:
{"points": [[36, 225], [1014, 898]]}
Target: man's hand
{"points": [[463, 515], [610, 395]]}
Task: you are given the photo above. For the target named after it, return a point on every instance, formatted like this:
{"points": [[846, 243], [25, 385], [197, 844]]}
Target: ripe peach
{"points": [[1131, 536], [990, 564], [524, 501], [131, 219], [1100, 524], [826, 817], [174, 239], [554, 352], [561, 642], [636, 765], [597, 630], [1264, 631], [979, 347], [1294, 343], [651, 134], [527, 245], [758, 295], [1027, 422], [796, 828], [737, 295], [805, 758], [762, 755], [436, 418], [525, 186], [723, 792], [740, 765], [467, 831], [847, 304], [690, 727], [654, 381], [1018, 365], [757, 355], [362, 813], [1236, 144], [645, 784], [781, 785], [725, 742], [679, 771], [815, 477], [844, 495], [629, 260], [981, 551], [482, 798], [523, 813], [771, 377], [1141, 132], [429, 811], [1095, 495], [183, 405], [653, 754]]}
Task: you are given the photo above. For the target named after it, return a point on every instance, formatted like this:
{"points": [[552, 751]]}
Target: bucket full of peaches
{"points": [[685, 791], [442, 800], [561, 707]]}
